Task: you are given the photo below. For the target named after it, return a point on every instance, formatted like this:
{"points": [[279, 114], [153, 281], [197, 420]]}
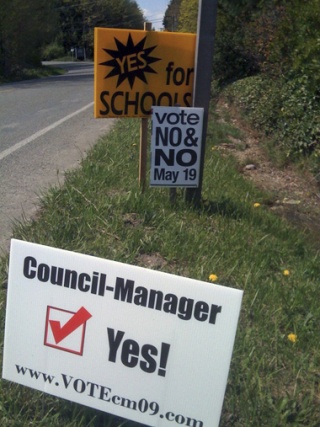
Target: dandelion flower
{"points": [[292, 337], [213, 277], [256, 205], [286, 272]]}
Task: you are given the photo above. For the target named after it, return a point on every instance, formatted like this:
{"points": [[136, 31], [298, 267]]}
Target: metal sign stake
{"points": [[207, 17]]}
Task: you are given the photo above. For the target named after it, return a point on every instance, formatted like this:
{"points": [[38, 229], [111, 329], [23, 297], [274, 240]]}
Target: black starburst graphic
{"points": [[130, 61]]}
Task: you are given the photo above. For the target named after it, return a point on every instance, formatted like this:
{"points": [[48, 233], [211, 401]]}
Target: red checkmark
{"points": [[78, 319]]}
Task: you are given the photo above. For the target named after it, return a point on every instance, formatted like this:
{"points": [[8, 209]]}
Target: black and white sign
{"points": [[176, 146], [140, 344]]}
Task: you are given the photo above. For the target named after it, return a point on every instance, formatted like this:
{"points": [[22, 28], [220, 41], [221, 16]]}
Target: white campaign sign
{"points": [[176, 146], [144, 345]]}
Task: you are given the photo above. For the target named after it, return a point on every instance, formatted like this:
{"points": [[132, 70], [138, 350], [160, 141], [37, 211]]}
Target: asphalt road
{"points": [[46, 127]]}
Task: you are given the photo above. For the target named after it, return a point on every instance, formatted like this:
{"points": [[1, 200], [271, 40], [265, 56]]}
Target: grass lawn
{"points": [[33, 73], [275, 370]]}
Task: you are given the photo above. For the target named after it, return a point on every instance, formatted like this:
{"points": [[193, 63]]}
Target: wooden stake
{"points": [[143, 153], [143, 139]]}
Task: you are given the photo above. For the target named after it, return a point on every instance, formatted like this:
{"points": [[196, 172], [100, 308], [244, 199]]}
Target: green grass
{"points": [[100, 210], [33, 73]]}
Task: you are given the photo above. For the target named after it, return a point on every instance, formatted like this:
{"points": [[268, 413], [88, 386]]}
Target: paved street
{"points": [[46, 127]]}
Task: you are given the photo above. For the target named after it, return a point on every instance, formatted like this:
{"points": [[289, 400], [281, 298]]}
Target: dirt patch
{"points": [[132, 219], [153, 261], [294, 195]]}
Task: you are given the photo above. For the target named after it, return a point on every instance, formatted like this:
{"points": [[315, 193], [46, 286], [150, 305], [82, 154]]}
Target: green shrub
{"points": [[288, 111], [52, 51]]}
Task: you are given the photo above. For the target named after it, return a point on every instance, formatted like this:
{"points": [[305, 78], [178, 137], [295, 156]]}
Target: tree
{"points": [[245, 40], [298, 43], [171, 16], [188, 16], [25, 26], [79, 18]]}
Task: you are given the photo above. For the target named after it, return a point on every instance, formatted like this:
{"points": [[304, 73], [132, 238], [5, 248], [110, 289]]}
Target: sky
{"points": [[153, 11]]}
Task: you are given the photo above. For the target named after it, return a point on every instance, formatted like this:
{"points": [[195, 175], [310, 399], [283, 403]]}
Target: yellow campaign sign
{"points": [[134, 70]]}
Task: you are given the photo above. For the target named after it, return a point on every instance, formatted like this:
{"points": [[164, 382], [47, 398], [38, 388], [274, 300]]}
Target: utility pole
{"points": [[207, 17]]}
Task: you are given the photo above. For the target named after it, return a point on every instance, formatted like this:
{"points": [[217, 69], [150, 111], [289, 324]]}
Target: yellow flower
{"points": [[292, 337], [286, 272], [256, 205], [213, 277]]}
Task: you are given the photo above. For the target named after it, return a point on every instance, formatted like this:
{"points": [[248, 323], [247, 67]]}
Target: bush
{"points": [[52, 51], [288, 111]]}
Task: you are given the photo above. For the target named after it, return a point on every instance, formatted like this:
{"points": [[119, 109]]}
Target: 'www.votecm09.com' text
{"points": [[106, 394]]}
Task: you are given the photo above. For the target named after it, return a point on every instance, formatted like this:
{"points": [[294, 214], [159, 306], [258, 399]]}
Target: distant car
{"points": [[80, 53]]}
